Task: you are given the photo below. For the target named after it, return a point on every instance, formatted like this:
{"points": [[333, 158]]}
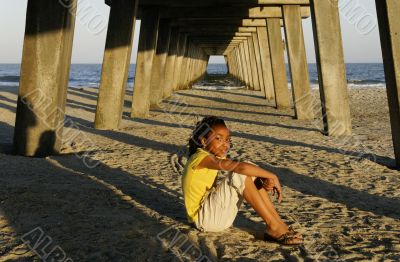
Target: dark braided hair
{"points": [[202, 129]]}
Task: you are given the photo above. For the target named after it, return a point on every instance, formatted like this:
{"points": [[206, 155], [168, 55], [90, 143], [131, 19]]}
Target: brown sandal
{"points": [[293, 232], [285, 239]]}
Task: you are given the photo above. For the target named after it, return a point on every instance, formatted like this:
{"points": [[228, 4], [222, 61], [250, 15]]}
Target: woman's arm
{"points": [[243, 168]]}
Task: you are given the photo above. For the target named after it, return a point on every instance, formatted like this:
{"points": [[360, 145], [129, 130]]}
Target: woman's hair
{"points": [[202, 129]]}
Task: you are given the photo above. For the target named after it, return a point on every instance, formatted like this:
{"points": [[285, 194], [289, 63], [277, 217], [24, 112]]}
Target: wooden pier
{"points": [[177, 37]]}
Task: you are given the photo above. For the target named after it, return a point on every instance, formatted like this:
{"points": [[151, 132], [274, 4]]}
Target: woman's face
{"points": [[218, 141]]}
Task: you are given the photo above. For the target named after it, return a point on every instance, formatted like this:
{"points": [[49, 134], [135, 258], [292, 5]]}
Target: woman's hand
{"points": [[268, 184], [272, 184]]}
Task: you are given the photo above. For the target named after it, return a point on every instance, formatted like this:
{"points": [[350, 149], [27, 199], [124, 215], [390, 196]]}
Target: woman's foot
{"points": [[283, 234], [285, 239]]}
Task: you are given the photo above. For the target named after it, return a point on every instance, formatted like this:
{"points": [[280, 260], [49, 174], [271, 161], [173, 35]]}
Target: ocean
{"points": [[88, 75]]}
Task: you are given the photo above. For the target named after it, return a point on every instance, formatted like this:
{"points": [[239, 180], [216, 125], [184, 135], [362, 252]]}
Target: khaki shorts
{"points": [[221, 204]]}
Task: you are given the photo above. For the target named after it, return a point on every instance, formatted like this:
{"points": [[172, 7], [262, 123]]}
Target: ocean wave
{"points": [[365, 81], [10, 78], [358, 82], [9, 84], [356, 86], [380, 85]]}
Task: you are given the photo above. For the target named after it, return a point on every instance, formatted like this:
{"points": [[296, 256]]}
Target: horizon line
{"points": [[90, 63]]}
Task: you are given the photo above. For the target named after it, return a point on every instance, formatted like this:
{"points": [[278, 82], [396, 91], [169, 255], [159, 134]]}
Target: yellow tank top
{"points": [[196, 183]]}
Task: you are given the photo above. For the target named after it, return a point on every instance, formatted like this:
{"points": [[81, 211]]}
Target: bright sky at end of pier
{"points": [[358, 20]]}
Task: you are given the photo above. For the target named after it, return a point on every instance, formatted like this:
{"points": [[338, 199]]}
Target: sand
{"points": [[122, 201]]}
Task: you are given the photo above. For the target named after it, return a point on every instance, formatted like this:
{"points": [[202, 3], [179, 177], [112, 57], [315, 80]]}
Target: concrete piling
{"points": [[44, 77], [159, 63], [331, 67], [389, 28], [144, 62], [278, 63], [301, 90], [116, 63]]}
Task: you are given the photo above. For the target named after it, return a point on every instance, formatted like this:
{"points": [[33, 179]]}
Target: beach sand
{"points": [[122, 201]]}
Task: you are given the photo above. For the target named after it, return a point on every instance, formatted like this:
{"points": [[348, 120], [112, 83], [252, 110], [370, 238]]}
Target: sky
{"points": [[358, 24]]}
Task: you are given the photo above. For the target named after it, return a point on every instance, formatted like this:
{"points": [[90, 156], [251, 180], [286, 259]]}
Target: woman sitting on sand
{"points": [[214, 207]]}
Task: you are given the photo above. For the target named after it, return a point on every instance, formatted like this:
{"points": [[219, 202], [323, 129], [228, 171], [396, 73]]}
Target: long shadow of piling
{"points": [[222, 100], [3, 105], [83, 93], [125, 138], [252, 122], [148, 193], [352, 198], [238, 94], [83, 211], [80, 105], [6, 99], [232, 110]]}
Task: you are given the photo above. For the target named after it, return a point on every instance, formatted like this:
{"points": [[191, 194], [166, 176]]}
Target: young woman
{"points": [[212, 207]]}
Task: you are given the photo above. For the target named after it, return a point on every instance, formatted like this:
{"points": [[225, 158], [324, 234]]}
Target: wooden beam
{"points": [[185, 3], [229, 12]]}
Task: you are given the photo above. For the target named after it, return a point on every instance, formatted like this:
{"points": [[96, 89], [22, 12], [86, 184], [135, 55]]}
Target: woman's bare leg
{"points": [[274, 226], [268, 202]]}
